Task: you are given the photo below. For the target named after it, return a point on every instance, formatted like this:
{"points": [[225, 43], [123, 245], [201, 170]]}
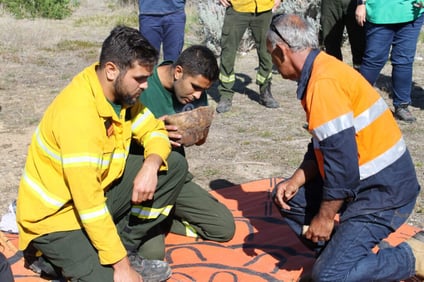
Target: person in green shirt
{"points": [[392, 29], [175, 87]]}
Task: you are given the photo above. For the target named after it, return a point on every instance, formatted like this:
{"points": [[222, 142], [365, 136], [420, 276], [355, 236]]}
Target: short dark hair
{"points": [[199, 59], [125, 46]]}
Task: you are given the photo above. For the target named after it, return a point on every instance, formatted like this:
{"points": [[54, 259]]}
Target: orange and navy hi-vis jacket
{"points": [[79, 148], [252, 6], [356, 142]]}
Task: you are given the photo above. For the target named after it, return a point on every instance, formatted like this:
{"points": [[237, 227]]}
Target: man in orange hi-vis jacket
{"points": [[357, 165]]}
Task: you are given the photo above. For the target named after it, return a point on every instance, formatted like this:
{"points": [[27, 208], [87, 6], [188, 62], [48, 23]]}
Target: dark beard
{"points": [[122, 98]]}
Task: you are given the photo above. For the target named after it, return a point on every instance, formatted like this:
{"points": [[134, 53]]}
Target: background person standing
{"points": [[391, 28], [162, 22], [336, 15], [240, 15]]}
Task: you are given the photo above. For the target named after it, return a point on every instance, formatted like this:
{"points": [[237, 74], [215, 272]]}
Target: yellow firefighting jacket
{"points": [[78, 150], [252, 6]]}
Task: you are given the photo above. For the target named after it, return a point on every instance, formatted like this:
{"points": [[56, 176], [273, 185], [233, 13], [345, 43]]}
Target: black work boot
{"points": [[265, 97], [402, 113], [150, 270], [224, 105]]}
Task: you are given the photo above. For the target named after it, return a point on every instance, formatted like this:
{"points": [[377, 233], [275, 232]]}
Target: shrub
{"points": [[52, 9], [311, 10]]}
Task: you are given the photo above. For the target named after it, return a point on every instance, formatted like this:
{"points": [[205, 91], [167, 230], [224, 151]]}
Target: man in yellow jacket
{"points": [[240, 15], [80, 180]]}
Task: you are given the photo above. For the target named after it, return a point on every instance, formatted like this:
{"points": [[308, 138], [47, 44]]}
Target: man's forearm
{"points": [[329, 209], [306, 171], [153, 162]]}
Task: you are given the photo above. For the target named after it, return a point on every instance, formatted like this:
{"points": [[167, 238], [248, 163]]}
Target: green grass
{"points": [[421, 38], [128, 19], [75, 45], [192, 17], [266, 134], [211, 172]]}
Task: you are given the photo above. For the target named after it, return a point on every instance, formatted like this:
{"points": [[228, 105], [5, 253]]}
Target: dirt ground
{"points": [[39, 57]]}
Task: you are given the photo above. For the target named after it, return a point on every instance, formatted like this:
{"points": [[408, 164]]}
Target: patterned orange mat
{"points": [[263, 249]]}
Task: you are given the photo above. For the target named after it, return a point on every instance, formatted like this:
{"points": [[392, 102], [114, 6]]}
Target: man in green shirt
{"points": [[175, 87]]}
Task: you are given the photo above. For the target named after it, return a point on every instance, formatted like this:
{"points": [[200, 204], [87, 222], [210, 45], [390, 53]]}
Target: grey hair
{"points": [[295, 30]]}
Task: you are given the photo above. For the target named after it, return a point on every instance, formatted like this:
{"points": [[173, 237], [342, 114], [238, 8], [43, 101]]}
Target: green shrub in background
{"points": [[51, 9]]}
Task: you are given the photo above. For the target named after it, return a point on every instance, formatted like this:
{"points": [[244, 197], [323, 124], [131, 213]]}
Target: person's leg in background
{"points": [[235, 25], [355, 33], [402, 57], [150, 26], [259, 26], [378, 42], [332, 27], [173, 35]]}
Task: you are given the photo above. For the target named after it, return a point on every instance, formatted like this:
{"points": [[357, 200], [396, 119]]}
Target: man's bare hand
{"points": [[320, 229], [360, 14], [284, 192], [173, 135], [123, 272], [322, 224], [277, 4], [146, 179], [225, 3]]}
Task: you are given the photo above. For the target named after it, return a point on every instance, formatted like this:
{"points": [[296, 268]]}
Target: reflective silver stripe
{"points": [[360, 122], [149, 213], [190, 230], [227, 79], [158, 134], [333, 126], [40, 191], [80, 160], [261, 78], [140, 119], [54, 155], [89, 216], [73, 161], [372, 113], [384, 160]]}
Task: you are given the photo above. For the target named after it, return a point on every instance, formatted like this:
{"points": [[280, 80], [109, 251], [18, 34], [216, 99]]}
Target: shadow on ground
{"points": [[384, 83], [240, 86]]}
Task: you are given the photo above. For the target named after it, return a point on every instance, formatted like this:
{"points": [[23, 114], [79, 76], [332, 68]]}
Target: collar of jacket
{"points": [[306, 73]]}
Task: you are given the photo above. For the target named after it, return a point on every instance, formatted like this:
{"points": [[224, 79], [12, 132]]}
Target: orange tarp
{"points": [[263, 249]]}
